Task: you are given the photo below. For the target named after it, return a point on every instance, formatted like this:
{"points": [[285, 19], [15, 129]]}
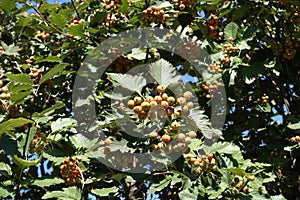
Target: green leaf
{"points": [[59, 20], [236, 171], [62, 124], [294, 126], [188, 195], [133, 83], [5, 169], [6, 192], [70, 193], [79, 141], [7, 5], [104, 192], [30, 137], [77, 30], [164, 73], [26, 163], [11, 124], [53, 72], [50, 110], [46, 182], [138, 54], [202, 123], [11, 50], [156, 187], [231, 30], [20, 97], [51, 59], [278, 197], [20, 78]]}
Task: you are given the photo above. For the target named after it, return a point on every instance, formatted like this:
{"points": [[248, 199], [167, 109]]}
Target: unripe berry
{"points": [[160, 89], [178, 114], [181, 101], [181, 137], [187, 95], [175, 126], [1, 83], [192, 134], [190, 105], [153, 135], [131, 104]]}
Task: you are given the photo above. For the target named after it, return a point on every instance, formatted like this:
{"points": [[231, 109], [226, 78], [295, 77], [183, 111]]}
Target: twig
{"points": [[77, 13]]}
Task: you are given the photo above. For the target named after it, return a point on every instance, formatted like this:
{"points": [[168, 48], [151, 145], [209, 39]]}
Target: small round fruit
{"points": [[164, 96], [178, 114], [164, 104], [187, 95], [107, 142], [4, 89], [142, 115], [145, 106], [160, 89], [153, 135], [158, 99], [215, 168], [169, 111], [250, 177], [166, 138], [180, 137], [185, 110], [190, 105], [149, 99], [153, 104], [1, 83], [171, 100], [181, 101], [192, 134], [188, 140], [210, 156], [137, 109], [175, 126], [137, 100], [2, 96], [131, 104], [192, 160], [181, 6], [160, 145]]}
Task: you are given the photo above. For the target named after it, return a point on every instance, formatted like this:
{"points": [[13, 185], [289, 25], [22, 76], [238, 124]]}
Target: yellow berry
{"points": [[131, 104], [166, 138], [192, 134], [181, 101], [250, 177], [190, 105], [145, 106], [153, 135], [187, 95], [175, 126], [137, 100], [164, 96], [4, 90], [137, 109], [160, 89], [181, 137], [171, 100]]}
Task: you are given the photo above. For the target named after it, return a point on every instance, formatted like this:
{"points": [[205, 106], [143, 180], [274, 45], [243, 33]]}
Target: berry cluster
{"points": [[30, 60], [210, 89], [75, 21], [161, 105], [5, 95], [202, 164], [241, 185], [44, 35], [155, 14], [215, 68], [36, 75], [265, 99], [37, 145], [295, 139], [212, 25], [109, 19], [190, 50], [183, 4], [112, 4], [70, 171]]}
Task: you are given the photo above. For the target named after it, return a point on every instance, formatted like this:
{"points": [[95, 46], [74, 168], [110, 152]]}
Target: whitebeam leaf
{"points": [[164, 73]]}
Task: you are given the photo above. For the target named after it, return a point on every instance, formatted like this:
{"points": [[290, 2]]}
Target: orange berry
{"points": [[171, 100], [107, 142], [166, 138], [149, 99], [160, 89], [164, 104], [142, 115], [210, 156], [158, 99], [164, 96], [131, 104], [137, 100], [145, 106], [137, 109], [192, 134], [181, 137]]}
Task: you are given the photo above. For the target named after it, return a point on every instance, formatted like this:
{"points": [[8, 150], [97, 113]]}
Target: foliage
{"points": [[254, 47]]}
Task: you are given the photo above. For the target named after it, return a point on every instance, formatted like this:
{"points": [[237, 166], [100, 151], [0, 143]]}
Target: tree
{"points": [[149, 123]]}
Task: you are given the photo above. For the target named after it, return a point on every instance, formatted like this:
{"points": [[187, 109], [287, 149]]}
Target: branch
{"points": [[77, 13]]}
